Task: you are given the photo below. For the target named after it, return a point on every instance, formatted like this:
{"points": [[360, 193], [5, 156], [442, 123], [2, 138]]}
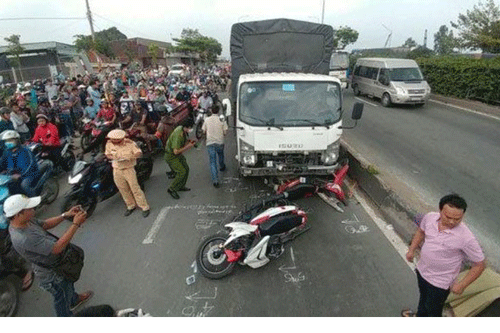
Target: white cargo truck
{"points": [[287, 109]]}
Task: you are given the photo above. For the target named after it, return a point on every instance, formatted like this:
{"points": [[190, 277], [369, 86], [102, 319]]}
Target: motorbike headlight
{"points": [[331, 154], [248, 156], [75, 179]]}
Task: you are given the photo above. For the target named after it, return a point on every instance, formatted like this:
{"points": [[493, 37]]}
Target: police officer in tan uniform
{"points": [[124, 154]]}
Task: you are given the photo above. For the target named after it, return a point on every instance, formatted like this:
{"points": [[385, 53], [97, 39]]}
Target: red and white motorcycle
{"points": [[256, 236]]}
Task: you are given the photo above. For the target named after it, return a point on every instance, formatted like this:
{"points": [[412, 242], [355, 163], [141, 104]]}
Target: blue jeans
{"points": [[214, 151], [32, 186], [63, 293]]}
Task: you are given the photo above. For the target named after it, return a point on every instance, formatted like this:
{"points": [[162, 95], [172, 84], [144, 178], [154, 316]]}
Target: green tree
{"points": [[480, 27], [153, 50], [344, 36], [191, 41], [101, 42], [420, 52], [15, 49], [410, 43], [444, 41]]}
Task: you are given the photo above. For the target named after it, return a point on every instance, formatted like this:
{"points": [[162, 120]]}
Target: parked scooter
{"points": [[65, 159], [93, 134], [92, 182], [256, 236]]}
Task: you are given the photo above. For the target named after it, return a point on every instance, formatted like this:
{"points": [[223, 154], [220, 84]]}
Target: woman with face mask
{"points": [[20, 163]]}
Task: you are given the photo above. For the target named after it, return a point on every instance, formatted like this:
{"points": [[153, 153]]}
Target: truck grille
{"points": [[289, 159], [416, 91]]}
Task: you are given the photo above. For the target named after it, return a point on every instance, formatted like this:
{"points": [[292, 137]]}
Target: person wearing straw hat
{"points": [[124, 153]]}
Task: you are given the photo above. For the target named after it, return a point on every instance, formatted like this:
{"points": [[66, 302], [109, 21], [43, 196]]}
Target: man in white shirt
{"points": [[51, 90], [205, 102], [215, 130]]}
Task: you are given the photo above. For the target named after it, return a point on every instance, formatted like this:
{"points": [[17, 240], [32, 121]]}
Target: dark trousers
{"points": [[432, 299]]}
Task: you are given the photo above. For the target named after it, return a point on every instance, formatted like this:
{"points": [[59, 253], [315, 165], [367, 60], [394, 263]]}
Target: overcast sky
{"points": [[164, 19]]}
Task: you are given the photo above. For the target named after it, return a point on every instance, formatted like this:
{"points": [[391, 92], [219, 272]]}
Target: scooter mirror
{"points": [[226, 104]]}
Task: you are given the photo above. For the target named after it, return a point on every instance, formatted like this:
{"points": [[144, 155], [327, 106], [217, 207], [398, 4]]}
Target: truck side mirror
{"points": [[357, 110], [226, 105]]}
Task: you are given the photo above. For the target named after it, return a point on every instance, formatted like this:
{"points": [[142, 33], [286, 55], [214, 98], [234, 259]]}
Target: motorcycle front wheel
{"points": [[85, 141], [10, 288], [68, 161], [50, 191], [211, 259], [199, 130], [88, 204]]}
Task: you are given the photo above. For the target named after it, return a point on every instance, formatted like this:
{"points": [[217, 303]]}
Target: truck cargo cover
{"points": [[279, 45]]}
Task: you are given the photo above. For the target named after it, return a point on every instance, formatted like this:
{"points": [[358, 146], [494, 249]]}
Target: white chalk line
{"points": [[386, 229], [156, 226], [465, 109]]}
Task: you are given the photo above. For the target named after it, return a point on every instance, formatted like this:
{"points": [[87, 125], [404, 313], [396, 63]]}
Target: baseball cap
{"points": [[18, 202]]}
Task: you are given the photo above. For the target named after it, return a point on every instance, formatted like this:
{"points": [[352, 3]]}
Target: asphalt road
{"points": [[425, 153], [343, 266]]}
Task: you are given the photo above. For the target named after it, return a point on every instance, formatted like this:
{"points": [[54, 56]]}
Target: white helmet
{"points": [[9, 135]]}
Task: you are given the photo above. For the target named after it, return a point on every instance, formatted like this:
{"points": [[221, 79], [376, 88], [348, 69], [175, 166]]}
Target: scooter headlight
{"points": [[75, 179]]}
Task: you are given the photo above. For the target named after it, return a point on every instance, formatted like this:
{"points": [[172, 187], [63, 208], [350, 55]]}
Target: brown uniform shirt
{"points": [[124, 156]]}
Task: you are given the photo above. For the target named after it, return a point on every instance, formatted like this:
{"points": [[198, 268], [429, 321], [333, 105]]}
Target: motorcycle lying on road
{"points": [[92, 182], [256, 236]]}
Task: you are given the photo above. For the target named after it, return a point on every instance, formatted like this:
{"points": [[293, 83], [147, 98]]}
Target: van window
{"points": [[405, 74], [368, 72]]}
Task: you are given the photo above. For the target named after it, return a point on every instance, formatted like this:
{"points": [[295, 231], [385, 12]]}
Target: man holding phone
{"points": [[31, 240]]}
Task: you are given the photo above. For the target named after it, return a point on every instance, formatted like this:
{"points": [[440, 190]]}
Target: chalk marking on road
{"points": [[156, 226], [465, 109], [369, 103], [201, 209], [287, 275], [386, 229], [194, 297]]}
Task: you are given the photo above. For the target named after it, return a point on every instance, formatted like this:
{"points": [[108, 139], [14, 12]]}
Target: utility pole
{"points": [[89, 16], [323, 13], [425, 39]]}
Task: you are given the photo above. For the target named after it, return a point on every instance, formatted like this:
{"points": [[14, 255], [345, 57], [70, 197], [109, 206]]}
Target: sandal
{"points": [[82, 298], [408, 313], [27, 284]]}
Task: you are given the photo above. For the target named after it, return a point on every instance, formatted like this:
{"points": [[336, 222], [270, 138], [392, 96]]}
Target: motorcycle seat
{"points": [[279, 224]]}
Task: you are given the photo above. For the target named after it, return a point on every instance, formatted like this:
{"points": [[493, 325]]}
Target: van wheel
{"points": [[386, 100], [356, 90]]}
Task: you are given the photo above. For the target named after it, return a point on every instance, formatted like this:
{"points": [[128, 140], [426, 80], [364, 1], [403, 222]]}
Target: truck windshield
{"points": [[290, 104], [339, 60], [405, 74]]}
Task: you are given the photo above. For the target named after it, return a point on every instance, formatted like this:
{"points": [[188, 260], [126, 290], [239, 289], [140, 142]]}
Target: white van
{"points": [[392, 80]]}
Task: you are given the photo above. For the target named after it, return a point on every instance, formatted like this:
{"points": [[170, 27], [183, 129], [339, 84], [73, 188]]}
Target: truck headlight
{"points": [[247, 154], [331, 154]]}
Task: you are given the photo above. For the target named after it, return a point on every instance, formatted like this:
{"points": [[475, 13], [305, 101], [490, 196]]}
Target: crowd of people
{"points": [[44, 111]]}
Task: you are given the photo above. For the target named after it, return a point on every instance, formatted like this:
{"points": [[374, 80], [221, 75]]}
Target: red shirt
{"points": [[47, 135], [107, 114]]}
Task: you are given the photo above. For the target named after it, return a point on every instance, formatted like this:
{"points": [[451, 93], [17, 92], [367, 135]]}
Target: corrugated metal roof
{"points": [[285, 77], [61, 48]]}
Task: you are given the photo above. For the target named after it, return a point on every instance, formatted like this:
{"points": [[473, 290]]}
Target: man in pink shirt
{"points": [[447, 243]]}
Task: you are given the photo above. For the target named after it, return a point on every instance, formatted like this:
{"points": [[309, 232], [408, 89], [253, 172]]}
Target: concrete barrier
{"points": [[393, 208]]}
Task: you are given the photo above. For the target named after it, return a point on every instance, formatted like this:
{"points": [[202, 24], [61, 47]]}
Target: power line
{"points": [[137, 32], [41, 18]]}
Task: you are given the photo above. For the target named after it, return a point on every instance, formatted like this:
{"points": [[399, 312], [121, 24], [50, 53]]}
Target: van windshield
{"points": [[339, 60], [290, 103], [405, 74]]}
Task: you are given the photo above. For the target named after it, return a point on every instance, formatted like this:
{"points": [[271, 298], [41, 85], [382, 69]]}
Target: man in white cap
{"points": [[31, 240], [124, 153]]}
